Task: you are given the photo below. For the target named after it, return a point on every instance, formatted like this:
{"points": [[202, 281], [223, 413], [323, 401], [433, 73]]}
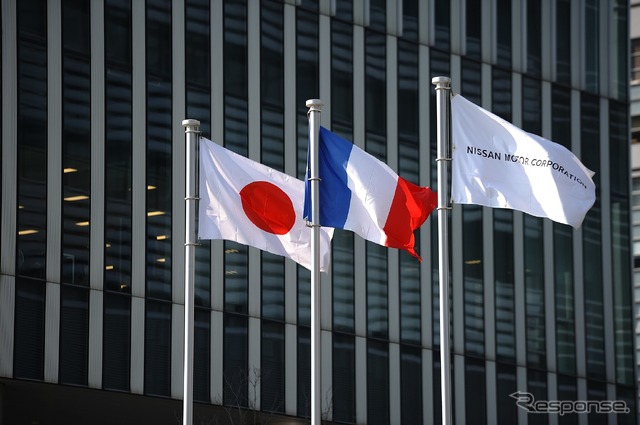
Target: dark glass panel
{"points": [[344, 10], [272, 372], [272, 53], [443, 24], [272, 286], [537, 386], [235, 77], [116, 349], [202, 355], [473, 20], [567, 390], [76, 142], [377, 291], [621, 244], [409, 168], [410, 18], [534, 37], [563, 41], [118, 153], [473, 280], [198, 80], [307, 79], [28, 344], [304, 371], [159, 152], [620, 22], [235, 368], [475, 391], [157, 348], [378, 15], [344, 379], [76, 37], [74, 335], [592, 241], [117, 45], [534, 291], [506, 384], [304, 296], [236, 278], [377, 382], [504, 35], [342, 78], [591, 39], [375, 101], [342, 267], [32, 138], [410, 385], [504, 274], [597, 391]]}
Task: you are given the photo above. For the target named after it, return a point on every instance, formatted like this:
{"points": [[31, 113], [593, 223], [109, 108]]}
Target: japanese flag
{"points": [[247, 202]]}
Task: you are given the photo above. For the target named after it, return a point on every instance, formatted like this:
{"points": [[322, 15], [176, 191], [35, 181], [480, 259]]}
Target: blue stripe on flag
{"points": [[335, 195]]}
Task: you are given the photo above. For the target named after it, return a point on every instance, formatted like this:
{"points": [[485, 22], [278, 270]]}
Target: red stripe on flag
{"points": [[411, 206]]}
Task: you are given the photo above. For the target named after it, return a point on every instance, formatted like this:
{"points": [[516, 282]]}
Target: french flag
{"points": [[360, 193]]}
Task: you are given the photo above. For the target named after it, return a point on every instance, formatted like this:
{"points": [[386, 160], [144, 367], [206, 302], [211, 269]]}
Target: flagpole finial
{"points": [[190, 123], [314, 104], [441, 82]]}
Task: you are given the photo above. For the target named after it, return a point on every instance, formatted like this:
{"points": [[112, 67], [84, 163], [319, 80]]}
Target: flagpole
{"points": [[443, 159], [191, 129], [315, 108]]}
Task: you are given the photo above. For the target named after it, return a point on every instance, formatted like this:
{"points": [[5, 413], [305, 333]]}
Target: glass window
{"points": [[410, 385], [344, 10], [620, 231], [272, 286], [198, 82], [592, 241], [157, 348], [375, 86], [443, 25], [377, 382], [272, 376], [307, 78], [74, 335], [159, 154], [235, 361], [304, 371], [378, 15], [118, 146], [537, 386], [76, 143], [591, 43], [473, 18], [534, 291], [504, 272], [563, 41], [409, 168], [28, 344], [202, 355], [567, 390], [116, 342], [32, 139], [236, 278], [506, 384], [475, 391], [342, 78], [410, 12], [343, 281], [620, 53], [534, 37], [377, 291], [344, 379], [504, 35]]}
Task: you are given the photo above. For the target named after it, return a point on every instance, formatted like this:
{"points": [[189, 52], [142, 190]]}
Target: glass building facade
{"points": [[92, 212]]}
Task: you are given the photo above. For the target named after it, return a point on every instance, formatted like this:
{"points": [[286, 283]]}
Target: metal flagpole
{"points": [[191, 129], [443, 100], [315, 108]]}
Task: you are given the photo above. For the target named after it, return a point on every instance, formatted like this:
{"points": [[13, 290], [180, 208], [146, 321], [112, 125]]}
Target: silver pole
{"points": [[443, 100], [315, 108], [191, 129]]}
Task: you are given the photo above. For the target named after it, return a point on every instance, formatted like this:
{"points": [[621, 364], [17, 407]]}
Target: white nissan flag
{"points": [[496, 164], [247, 202]]}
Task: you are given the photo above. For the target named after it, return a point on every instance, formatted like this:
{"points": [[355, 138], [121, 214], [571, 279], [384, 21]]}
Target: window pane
{"points": [[377, 382], [272, 375], [157, 348], [236, 349], [28, 359], [116, 361], [74, 335], [344, 380]]}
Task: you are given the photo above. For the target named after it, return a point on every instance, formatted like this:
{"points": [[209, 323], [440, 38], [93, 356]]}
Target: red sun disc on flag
{"points": [[268, 207]]}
